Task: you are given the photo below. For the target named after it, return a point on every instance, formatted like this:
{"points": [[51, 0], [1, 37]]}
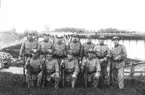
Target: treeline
{"points": [[108, 32], [80, 32]]}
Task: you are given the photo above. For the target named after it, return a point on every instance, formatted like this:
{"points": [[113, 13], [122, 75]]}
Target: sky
{"points": [[88, 14]]}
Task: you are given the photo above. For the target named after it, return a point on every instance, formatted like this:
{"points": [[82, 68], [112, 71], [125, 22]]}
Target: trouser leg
{"points": [[57, 80], [95, 82], [121, 77], [73, 82], [114, 76], [28, 80], [104, 71]]}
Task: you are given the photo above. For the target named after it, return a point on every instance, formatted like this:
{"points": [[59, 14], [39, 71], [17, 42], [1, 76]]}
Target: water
{"points": [[135, 48], [14, 70]]}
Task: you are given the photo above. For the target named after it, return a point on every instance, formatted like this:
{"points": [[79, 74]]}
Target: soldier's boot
{"points": [[73, 82], [56, 83]]}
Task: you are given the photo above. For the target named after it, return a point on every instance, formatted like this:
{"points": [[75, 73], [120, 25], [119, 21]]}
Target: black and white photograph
{"points": [[72, 47]]}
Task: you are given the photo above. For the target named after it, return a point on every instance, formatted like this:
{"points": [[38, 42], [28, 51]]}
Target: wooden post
{"points": [[141, 74], [131, 70], [144, 49]]}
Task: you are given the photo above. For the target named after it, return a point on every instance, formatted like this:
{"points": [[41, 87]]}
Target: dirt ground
{"points": [[13, 84]]}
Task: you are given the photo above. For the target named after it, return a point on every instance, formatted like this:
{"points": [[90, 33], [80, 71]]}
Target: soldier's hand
{"points": [[57, 74], [74, 75], [97, 75], [20, 58], [118, 57], [101, 60]]}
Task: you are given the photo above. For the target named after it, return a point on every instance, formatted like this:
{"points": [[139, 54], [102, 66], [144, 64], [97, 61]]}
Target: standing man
{"points": [[103, 53], [75, 46], [26, 48], [118, 56], [85, 48], [44, 46], [60, 49]]}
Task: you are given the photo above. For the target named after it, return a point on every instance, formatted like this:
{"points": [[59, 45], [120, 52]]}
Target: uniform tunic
{"points": [[102, 51], [34, 67], [93, 66], [59, 49], [52, 68], [71, 67], [27, 46], [44, 46], [118, 50], [75, 47], [86, 48]]}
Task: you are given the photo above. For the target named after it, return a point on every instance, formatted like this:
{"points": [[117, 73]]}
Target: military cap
{"points": [[34, 51], [30, 33], [101, 37], [70, 52], [45, 34], [91, 51], [49, 51], [115, 38]]}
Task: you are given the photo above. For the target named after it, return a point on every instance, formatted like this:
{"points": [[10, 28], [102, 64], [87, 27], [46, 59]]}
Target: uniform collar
{"points": [[117, 45], [101, 44]]}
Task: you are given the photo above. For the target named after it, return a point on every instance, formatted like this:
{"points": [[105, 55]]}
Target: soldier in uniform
{"points": [[59, 49], [92, 69], [34, 68], [44, 46], [118, 56], [51, 69], [76, 46], [85, 48], [70, 69], [103, 54], [26, 47]]}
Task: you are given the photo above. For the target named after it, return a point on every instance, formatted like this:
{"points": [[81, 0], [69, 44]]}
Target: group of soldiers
{"points": [[58, 62]]}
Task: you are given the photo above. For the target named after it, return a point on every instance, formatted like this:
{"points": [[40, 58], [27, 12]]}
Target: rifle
{"points": [[63, 75], [43, 74], [86, 76], [110, 72], [24, 62]]}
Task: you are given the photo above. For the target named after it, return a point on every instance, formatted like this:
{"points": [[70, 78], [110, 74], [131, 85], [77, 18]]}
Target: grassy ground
{"points": [[13, 84]]}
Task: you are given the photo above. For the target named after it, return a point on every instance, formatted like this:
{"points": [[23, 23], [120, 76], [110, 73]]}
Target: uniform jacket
{"points": [[59, 49], [34, 65], [118, 50], [75, 47], [27, 46], [92, 64], [102, 51], [86, 47], [51, 66], [44, 46], [71, 66]]}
